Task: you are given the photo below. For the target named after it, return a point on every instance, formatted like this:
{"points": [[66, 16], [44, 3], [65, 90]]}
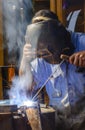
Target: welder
{"points": [[51, 49]]}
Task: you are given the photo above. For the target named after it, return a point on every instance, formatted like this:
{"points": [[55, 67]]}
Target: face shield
{"points": [[45, 37]]}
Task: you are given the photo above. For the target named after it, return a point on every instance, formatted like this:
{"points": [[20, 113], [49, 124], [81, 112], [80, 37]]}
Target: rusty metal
{"points": [[20, 117], [8, 108], [33, 116], [5, 106]]}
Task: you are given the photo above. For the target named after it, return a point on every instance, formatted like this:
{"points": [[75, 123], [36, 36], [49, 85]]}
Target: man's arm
{"points": [[25, 68]]}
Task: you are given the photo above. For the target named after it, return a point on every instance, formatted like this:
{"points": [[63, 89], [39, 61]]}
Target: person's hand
{"points": [[28, 52], [78, 59]]}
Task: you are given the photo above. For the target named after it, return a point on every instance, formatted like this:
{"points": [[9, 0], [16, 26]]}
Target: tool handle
{"points": [[64, 57]]}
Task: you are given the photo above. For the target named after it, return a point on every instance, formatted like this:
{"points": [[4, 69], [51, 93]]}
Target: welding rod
{"points": [[46, 81]]}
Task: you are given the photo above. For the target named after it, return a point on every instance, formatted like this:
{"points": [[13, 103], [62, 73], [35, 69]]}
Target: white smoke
{"points": [[17, 15], [20, 89]]}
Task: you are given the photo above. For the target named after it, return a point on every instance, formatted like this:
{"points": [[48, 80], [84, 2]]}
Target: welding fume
{"points": [[51, 57]]}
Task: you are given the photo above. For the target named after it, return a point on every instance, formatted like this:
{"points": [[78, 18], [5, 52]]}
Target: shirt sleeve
{"points": [[78, 40], [82, 42]]}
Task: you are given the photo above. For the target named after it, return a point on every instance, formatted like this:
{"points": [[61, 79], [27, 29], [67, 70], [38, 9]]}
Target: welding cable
{"points": [[47, 80]]}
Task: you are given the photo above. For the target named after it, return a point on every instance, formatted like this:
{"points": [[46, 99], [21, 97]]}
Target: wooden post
{"points": [[60, 11], [1, 49], [53, 5]]}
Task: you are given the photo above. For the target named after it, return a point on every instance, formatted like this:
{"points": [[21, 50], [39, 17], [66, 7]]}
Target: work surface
{"points": [[16, 121], [48, 118]]}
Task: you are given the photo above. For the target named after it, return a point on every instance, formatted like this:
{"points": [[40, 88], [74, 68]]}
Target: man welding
{"points": [[55, 58]]}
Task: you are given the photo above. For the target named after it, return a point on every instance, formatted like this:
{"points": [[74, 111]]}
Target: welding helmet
{"points": [[49, 37]]}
